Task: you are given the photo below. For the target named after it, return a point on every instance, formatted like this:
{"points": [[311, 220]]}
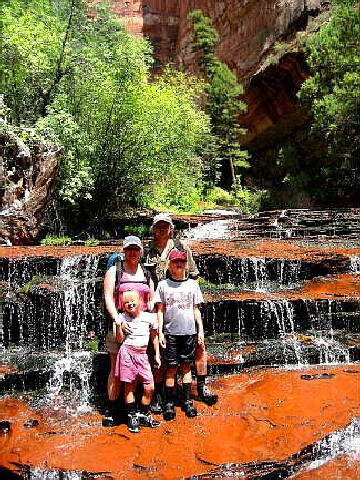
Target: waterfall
{"points": [[321, 315], [258, 274], [282, 311], [78, 309], [355, 264]]}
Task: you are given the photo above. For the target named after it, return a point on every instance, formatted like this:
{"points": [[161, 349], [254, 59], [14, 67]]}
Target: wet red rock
{"points": [[4, 369], [343, 467], [343, 286], [240, 248], [264, 415], [283, 249], [54, 252]]}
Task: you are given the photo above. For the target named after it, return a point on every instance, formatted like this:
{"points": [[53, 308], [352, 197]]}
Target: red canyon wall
{"points": [[248, 30]]}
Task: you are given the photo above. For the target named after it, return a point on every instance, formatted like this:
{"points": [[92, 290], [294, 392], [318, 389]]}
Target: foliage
{"points": [[91, 345], [51, 241], [332, 91], [223, 92], [140, 230], [84, 80], [91, 242], [35, 280], [221, 197]]}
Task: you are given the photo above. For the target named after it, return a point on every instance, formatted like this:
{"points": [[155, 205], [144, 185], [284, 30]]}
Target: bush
{"points": [[222, 197], [91, 242], [51, 241]]}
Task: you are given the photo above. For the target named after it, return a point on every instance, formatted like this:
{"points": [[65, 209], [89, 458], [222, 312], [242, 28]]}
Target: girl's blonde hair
{"points": [[132, 295]]}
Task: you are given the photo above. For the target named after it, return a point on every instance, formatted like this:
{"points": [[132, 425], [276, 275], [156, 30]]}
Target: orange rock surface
{"points": [[264, 415], [342, 286]]}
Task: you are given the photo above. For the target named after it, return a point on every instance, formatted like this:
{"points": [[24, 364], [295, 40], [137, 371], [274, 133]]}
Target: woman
{"points": [[126, 276]]}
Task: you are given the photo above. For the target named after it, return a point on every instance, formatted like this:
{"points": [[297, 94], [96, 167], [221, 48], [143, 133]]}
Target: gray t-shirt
{"points": [[179, 298], [140, 328]]}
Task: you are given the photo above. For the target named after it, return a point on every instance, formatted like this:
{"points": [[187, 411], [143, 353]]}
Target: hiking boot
{"points": [[157, 404], [148, 420], [189, 409], [133, 423], [108, 420], [206, 396], [169, 412]]}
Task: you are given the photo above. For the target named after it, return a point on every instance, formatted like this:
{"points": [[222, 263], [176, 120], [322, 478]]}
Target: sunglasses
{"points": [[132, 248]]}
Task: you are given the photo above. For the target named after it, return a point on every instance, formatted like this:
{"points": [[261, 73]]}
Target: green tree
{"points": [[224, 95], [84, 81], [332, 92]]}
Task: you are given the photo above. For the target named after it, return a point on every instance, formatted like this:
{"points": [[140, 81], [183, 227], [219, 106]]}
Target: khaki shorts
{"points": [[111, 343]]}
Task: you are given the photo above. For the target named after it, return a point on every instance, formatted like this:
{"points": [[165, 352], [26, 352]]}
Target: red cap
{"points": [[176, 255]]}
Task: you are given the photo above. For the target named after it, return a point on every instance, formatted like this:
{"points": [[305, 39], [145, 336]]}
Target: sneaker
{"points": [[133, 423], [108, 420], [157, 404], [148, 420], [206, 396], [189, 409], [169, 412]]}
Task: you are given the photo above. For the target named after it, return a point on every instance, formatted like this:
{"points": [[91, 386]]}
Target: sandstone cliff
{"points": [[250, 32]]}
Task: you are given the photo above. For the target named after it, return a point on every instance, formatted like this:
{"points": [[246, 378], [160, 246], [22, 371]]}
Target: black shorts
{"points": [[179, 349]]}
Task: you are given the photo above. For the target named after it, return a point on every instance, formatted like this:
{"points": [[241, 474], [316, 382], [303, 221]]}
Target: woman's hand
{"points": [[126, 328], [162, 340]]}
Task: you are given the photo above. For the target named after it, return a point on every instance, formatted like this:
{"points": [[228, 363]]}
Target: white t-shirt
{"points": [[140, 328], [179, 298]]}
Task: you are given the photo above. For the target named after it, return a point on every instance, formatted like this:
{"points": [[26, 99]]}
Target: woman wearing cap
{"points": [[157, 255], [129, 275]]}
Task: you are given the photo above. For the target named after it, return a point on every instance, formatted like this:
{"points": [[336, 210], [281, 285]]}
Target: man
{"points": [[156, 257]]}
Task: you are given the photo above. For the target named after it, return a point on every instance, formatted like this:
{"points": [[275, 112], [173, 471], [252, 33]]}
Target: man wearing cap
{"points": [[156, 256]]}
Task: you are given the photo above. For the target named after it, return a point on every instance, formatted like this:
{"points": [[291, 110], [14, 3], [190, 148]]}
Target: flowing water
{"points": [[264, 307]]}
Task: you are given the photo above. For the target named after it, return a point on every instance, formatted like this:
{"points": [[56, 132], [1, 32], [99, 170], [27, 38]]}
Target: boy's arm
{"points": [[160, 320], [199, 323]]}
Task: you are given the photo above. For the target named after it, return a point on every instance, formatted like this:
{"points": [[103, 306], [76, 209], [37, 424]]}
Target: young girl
{"points": [[132, 361], [178, 302]]}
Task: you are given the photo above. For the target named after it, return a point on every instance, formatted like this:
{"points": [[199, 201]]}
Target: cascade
{"points": [[57, 316], [281, 292], [355, 264]]}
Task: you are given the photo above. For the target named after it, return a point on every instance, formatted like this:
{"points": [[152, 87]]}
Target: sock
{"points": [[170, 394], [130, 408], [200, 382], [144, 409], [187, 391], [158, 389]]}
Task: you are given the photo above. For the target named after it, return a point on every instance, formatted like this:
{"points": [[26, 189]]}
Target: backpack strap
{"points": [[179, 245], [119, 270], [147, 273]]}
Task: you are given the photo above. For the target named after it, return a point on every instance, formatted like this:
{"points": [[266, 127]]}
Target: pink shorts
{"points": [[132, 363]]}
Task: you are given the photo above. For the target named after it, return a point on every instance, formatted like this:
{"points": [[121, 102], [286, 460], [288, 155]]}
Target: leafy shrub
{"points": [[221, 197], [91, 242], [140, 230], [51, 241]]}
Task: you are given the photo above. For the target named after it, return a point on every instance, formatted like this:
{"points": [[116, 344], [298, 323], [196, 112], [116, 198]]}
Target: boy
{"points": [[178, 300]]}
